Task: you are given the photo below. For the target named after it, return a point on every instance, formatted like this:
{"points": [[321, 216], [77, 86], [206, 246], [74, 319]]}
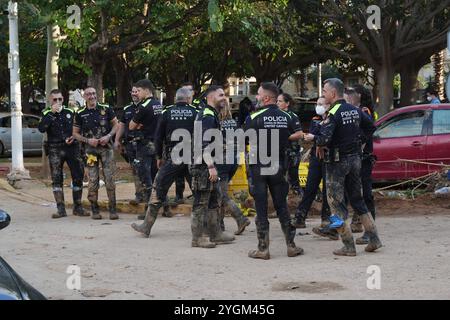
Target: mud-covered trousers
{"points": [[344, 177], [130, 151], [206, 198], [105, 156], [166, 176], [57, 156]]}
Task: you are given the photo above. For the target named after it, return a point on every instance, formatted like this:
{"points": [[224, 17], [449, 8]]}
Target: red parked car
{"points": [[419, 133]]}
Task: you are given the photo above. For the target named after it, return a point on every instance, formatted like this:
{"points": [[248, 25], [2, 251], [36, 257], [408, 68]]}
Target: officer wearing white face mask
{"points": [[316, 173]]}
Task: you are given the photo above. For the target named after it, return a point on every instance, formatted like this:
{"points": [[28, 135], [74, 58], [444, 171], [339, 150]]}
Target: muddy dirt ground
{"points": [[117, 263]]}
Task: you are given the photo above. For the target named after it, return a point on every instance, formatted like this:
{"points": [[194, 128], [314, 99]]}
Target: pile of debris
{"points": [[437, 182]]}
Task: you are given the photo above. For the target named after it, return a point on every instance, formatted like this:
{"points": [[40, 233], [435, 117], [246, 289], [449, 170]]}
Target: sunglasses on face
{"points": [[57, 99]]}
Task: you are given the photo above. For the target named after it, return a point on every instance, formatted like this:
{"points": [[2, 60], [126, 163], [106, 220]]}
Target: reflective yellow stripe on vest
{"points": [[257, 113], [334, 109]]}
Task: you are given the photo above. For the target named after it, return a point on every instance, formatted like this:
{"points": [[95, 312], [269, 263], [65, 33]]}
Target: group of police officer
{"points": [[151, 135]]}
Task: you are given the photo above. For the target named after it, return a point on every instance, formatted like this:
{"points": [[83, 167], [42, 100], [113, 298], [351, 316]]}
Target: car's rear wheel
{"points": [[2, 149]]}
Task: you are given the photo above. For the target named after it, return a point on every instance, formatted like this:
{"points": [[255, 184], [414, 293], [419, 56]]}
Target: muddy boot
{"points": [[95, 211], [61, 208], [289, 235], [347, 238], [137, 200], [221, 218], [356, 224], [61, 211], [371, 231], [166, 213], [112, 205], [263, 246], [216, 234], [326, 232], [363, 240], [242, 224], [77, 205], [324, 223], [146, 227], [199, 240], [299, 223]]}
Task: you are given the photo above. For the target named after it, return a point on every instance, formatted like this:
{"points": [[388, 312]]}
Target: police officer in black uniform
{"points": [[61, 147], [316, 175], [285, 102], [176, 119], [94, 125], [342, 133], [205, 218], [143, 125], [124, 140], [229, 167], [262, 176]]}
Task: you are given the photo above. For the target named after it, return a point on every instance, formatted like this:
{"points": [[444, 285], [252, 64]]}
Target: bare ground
{"points": [[117, 263]]}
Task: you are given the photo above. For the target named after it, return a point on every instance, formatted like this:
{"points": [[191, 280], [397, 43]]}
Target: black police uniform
{"points": [[96, 123], [205, 218], [316, 174], [147, 115], [226, 172], [342, 132], [58, 127], [130, 146], [176, 117], [367, 163], [270, 118], [293, 152]]}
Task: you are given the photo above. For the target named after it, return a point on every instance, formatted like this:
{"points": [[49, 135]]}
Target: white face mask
{"points": [[320, 110]]}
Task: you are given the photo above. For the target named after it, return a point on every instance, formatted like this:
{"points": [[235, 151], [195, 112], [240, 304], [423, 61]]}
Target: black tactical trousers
{"points": [[278, 187], [344, 177], [366, 180], [167, 174], [57, 155], [293, 163], [130, 152], [316, 174]]}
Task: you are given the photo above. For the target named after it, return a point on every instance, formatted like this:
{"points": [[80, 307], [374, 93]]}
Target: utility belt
{"points": [[47, 145], [140, 140], [336, 154]]}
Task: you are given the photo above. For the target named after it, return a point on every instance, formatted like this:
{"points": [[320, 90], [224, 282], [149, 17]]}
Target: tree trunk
{"points": [[385, 81], [123, 81], [438, 64], [408, 75], [51, 79], [95, 79], [170, 90], [51, 68]]}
